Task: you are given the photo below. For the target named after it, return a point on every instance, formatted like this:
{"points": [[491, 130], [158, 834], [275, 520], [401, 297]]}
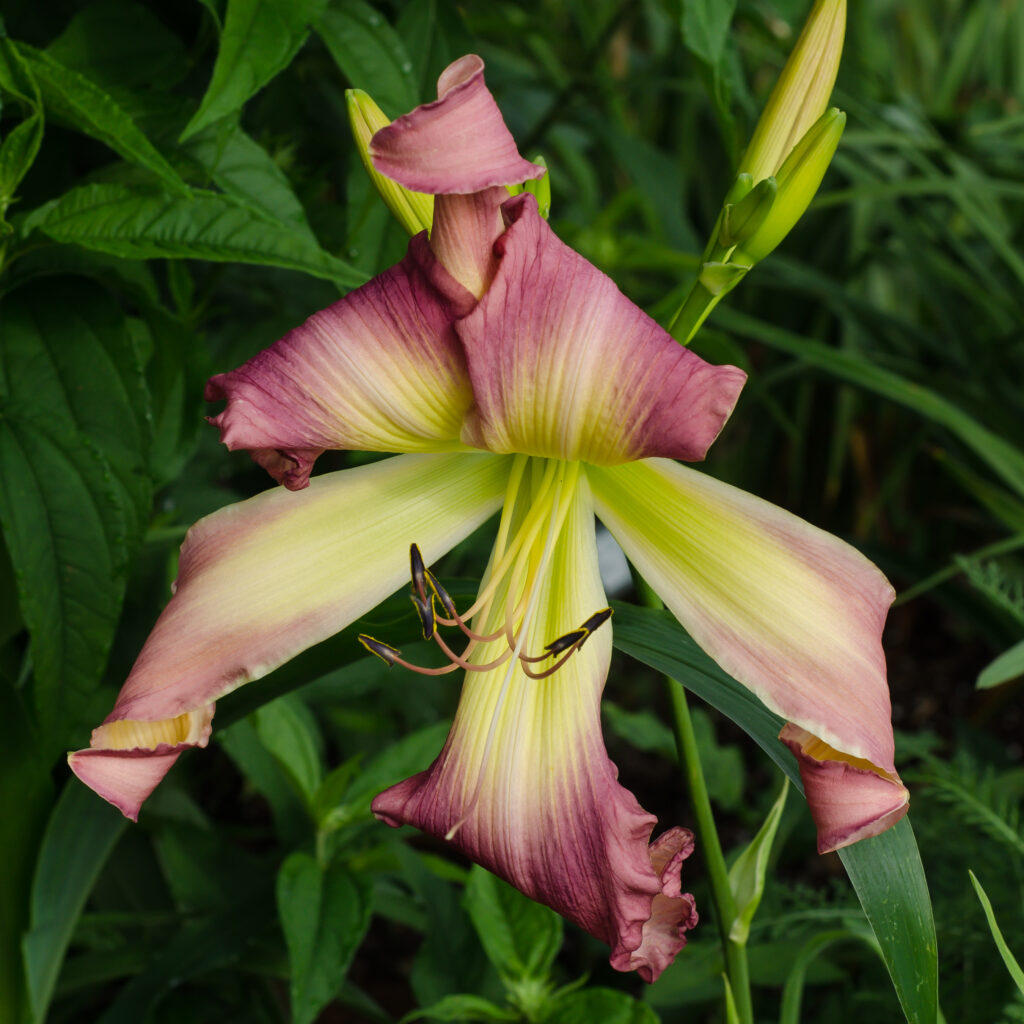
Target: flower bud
{"points": [[414, 210], [802, 92], [797, 180], [740, 220]]}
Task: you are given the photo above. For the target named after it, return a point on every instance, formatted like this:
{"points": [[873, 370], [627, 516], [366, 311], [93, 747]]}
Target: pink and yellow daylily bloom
{"points": [[511, 375]]}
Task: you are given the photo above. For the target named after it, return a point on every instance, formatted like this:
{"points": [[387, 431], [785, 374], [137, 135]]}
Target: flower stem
{"points": [[692, 313], [735, 953]]}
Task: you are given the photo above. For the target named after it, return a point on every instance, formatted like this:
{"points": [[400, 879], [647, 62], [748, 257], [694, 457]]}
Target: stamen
{"points": [[425, 610], [385, 652], [563, 643], [418, 572]]}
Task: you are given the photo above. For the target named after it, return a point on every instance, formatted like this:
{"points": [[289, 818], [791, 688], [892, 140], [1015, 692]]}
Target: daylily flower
{"points": [[514, 376]]}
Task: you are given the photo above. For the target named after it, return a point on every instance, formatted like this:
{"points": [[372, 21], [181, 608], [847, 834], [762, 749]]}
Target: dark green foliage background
{"points": [[178, 188]]}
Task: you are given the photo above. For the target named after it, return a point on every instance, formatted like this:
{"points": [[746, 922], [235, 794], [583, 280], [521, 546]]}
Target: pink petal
{"points": [[849, 799], [538, 800], [457, 144], [788, 610], [465, 230], [564, 365], [264, 579], [380, 370]]}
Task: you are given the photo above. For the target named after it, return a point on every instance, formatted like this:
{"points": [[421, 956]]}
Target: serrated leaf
{"points": [[74, 438], [21, 144], [75, 101], [324, 914], [705, 25], [79, 837], [369, 54], [137, 223], [521, 938], [244, 169], [1009, 665], [747, 874], [259, 40]]}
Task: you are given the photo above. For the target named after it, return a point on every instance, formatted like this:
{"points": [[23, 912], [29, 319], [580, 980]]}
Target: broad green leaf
{"points": [[462, 1007], [440, 36], [258, 41], [26, 794], [705, 25], [82, 105], [143, 224], [324, 914], [1004, 950], [288, 730], [1009, 665], [889, 880], [369, 54], [1001, 456], [747, 874], [74, 440], [590, 1005], [521, 937], [79, 837], [241, 167]]}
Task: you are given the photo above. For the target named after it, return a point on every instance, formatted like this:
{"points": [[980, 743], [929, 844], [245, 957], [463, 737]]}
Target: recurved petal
{"points": [[457, 144], [262, 580], [380, 370], [850, 799], [564, 365], [526, 785], [790, 611]]}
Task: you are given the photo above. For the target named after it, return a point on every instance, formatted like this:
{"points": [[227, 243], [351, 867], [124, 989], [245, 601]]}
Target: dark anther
{"points": [[419, 584], [425, 610], [563, 643], [442, 595], [385, 652]]}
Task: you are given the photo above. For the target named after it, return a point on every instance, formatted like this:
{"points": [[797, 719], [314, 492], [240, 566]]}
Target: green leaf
{"points": [[324, 914], [82, 105], [369, 54], [461, 1007], [521, 938], [288, 730], [244, 169], [1009, 665], [705, 25], [598, 1004], [1004, 950], [21, 144], [259, 40], [79, 837], [746, 876], [142, 224], [889, 880], [74, 437]]}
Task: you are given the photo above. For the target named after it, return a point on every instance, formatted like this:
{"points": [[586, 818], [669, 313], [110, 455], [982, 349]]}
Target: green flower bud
{"points": [[740, 220], [802, 92], [798, 180], [414, 210]]}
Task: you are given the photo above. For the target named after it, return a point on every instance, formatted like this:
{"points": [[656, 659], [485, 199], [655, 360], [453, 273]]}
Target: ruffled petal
{"points": [[262, 580], [526, 785], [465, 230], [790, 611], [564, 365], [457, 144], [850, 799], [380, 370]]}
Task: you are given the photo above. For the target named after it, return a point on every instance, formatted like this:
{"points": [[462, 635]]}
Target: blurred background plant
{"points": [[178, 187]]}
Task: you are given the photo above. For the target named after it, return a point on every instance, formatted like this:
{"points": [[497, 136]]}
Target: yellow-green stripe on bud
{"points": [[414, 210], [802, 92], [741, 220], [797, 180]]}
